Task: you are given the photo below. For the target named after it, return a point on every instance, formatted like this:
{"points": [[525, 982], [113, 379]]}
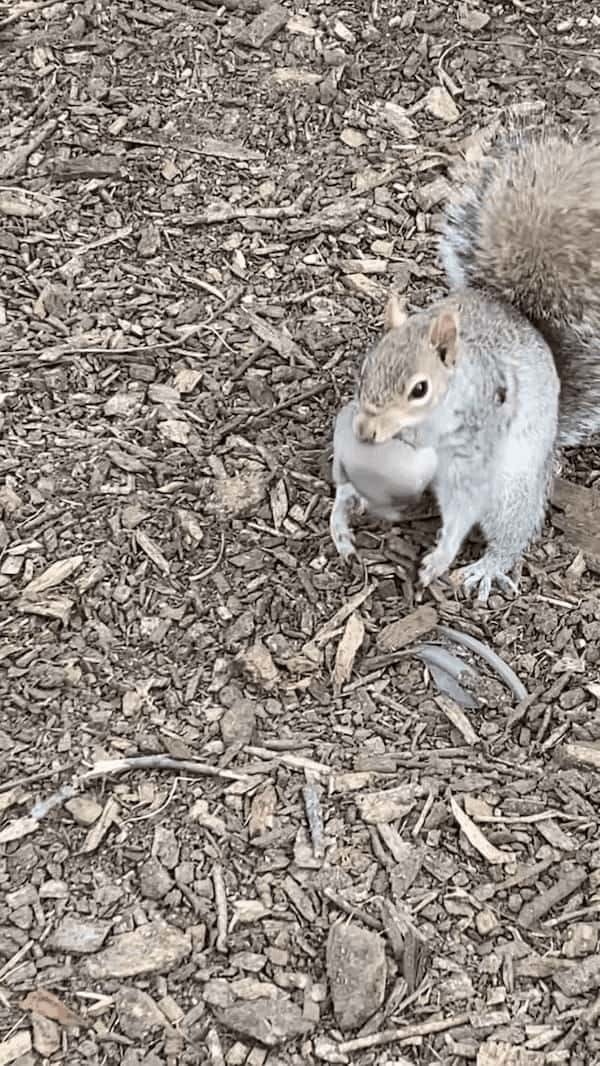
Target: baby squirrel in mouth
{"points": [[477, 377]]}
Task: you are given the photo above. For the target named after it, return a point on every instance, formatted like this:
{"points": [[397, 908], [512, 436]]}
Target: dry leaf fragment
{"points": [[353, 636], [54, 575], [190, 525], [279, 503], [44, 1002], [262, 810], [327, 631], [101, 827], [152, 551], [18, 828], [58, 607], [458, 718], [476, 837], [388, 804], [278, 339], [405, 630]]}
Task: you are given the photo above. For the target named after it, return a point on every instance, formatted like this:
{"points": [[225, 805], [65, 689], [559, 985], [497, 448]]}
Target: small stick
{"points": [[228, 214], [296, 762], [390, 1036], [315, 820], [351, 911], [221, 905]]}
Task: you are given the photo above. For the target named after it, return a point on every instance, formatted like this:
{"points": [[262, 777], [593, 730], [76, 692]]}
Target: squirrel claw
{"points": [[481, 575], [433, 566]]}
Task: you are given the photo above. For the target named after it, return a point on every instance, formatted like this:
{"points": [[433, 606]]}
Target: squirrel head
{"points": [[406, 375]]}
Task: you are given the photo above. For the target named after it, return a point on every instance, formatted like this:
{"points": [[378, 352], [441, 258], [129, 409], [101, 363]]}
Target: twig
{"points": [[32, 9], [229, 214], [31, 779], [12, 962], [351, 911], [213, 566], [297, 762], [390, 1036], [315, 820], [221, 906]]}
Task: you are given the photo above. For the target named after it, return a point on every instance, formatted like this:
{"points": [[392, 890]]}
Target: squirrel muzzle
{"points": [[377, 428]]}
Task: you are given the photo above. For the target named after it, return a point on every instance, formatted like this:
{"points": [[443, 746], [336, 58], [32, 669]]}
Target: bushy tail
{"points": [[524, 225]]}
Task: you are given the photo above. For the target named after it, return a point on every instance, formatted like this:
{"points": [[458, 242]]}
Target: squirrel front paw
{"points": [[434, 565]]}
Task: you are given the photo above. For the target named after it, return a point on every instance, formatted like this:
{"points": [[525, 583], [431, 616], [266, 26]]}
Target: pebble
{"points": [[269, 1022], [79, 937], [155, 881], [152, 948], [582, 940], [84, 811], [137, 1013], [356, 967]]}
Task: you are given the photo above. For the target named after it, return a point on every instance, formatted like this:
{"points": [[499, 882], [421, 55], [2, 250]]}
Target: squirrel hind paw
{"points": [[481, 576]]}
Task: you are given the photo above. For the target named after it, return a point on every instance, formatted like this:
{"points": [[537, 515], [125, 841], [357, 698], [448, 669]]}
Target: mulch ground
{"points": [[256, 806]]}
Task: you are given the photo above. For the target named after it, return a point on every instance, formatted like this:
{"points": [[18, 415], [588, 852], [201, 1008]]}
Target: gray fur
{"points": [[494, 435], [524, 226]]}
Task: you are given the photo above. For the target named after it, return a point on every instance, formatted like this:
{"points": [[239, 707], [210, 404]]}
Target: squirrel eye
{"points": [[419, 390]]}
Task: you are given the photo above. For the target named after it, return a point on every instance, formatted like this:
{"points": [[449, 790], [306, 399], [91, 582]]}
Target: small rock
{"points": [[399, 120], [149, 242], [45, 1034], [137, 1013], [238, 723], [165, 847], [582, 940], [269, 1022], [217, 993], [353, 138], [584, 977], [440, 104], [486, 922], [266, 24], [85, 811], [242, 495], [471, 18], [356, 967], [122, 403], [456, 989], [152, 948], [155, 881], [258, 663], [78, 937]]}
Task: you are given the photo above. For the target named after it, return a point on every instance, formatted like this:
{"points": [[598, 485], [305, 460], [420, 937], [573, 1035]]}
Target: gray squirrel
{"points": [[477, 377]]}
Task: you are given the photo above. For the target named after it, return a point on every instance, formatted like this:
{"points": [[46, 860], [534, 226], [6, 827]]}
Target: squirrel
{"points": [[380, 478], [478, 376]]}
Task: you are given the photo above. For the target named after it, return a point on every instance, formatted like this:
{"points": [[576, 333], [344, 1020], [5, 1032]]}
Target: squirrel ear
{"points": [[395, 314], [443, 335]]}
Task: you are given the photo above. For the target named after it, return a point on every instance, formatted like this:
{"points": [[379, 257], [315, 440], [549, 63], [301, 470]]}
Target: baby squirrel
{"points": [[477, 376]]}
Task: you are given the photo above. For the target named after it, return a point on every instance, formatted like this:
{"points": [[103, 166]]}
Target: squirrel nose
{"points": [[364, 430]]}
